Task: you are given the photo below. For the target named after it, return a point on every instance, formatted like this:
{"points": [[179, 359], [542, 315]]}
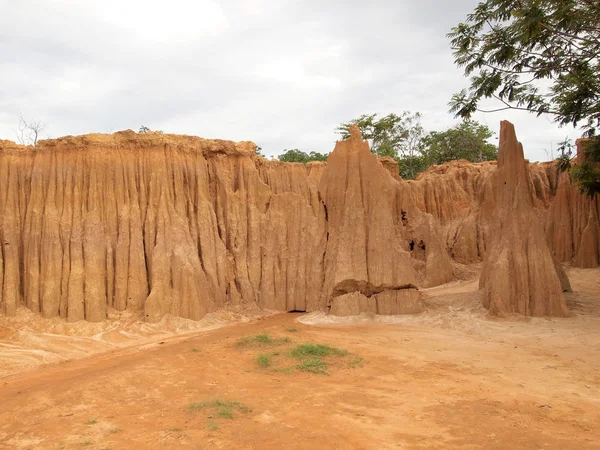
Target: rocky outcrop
{"points": [[453, 194], [181, 225], [519, 274], [164, 224], [364, 255]]}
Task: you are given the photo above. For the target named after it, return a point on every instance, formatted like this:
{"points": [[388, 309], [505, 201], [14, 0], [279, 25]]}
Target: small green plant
{"points": [[355, 362], [305, 350], [91, 421], [310, 357], [174, 429], [225, 412], [87, 443], [264, 361], [313, 365], [261, 340], [291, 329], [114, 430], [195, 350], [212, 425], [197, 406], [224, 408]]}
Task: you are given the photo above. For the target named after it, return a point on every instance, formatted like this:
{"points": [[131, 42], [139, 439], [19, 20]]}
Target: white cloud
{"points": [[284, 74], [170, 22]]}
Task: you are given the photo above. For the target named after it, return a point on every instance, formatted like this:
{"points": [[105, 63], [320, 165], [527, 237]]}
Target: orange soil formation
{"points": [[183, 226]]}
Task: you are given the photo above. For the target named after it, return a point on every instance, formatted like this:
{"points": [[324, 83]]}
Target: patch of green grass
{"points": [[261, 340], [195, 350], [225, 412], [313, 365], [212, 425], [291, 329], [355, 362], [310, 357], [306, 350], [91, 421], [197, 406], [224, 408], [264, 360]]}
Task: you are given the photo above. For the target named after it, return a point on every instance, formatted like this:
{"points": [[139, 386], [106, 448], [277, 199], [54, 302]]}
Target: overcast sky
{"points": [[283, 74]]}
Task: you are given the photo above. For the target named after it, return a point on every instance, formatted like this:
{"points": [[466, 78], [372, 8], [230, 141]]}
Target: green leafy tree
{"points": [[390, 135], [398, 136], [411, 166], [468, 140], [410, 151], [295, 155], [585, 174], [384, 135], [541, 56]]}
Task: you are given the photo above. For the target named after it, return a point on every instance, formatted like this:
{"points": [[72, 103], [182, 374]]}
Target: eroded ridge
{"points": [[181, 225]]}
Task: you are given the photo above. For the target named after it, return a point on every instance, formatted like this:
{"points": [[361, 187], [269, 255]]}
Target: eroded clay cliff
{"points": [[181, 225], [165, 224], [375, 256], [519, 274], [453, 193]]}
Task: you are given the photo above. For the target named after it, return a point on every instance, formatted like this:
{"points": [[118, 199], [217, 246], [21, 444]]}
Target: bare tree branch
{"points": [[29, 131]]}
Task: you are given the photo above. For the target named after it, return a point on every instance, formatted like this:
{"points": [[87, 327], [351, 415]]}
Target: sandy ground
{"points": [[28, 341], [448, 378]]}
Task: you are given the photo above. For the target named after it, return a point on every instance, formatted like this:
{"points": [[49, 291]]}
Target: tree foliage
{"points": [[468, 140], [587, 173], [411, 166], [403, 138], [541, 56], [384, 134], [537, 55], [295, 155], [398, 136], [390, 135]]}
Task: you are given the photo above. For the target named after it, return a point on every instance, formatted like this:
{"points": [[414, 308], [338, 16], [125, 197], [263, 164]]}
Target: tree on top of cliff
{"points": [[390, 135], [403, 138], [468, 140], [398, 136], [541, 56], [295, 155], [29, 131]]}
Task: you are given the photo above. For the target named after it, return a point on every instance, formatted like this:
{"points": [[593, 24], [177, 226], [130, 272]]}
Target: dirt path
{"points": [[449, 378]]}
